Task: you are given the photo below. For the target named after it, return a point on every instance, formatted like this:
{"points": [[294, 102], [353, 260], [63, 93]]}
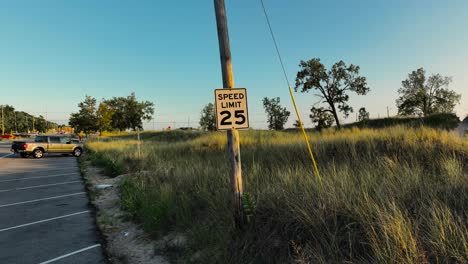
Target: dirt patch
{"points": [[126, 242]]}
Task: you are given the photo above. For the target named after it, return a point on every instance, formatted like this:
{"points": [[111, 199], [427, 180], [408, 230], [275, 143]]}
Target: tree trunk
{"points": [[335, 114]]}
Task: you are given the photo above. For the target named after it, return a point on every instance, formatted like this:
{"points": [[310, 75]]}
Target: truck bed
{"points": [[17, 146]]}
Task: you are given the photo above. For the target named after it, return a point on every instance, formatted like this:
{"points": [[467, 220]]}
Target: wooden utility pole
{"points": [[232, 134]]}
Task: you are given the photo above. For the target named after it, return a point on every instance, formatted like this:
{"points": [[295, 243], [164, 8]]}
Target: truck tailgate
{"points": [[18, 145]]}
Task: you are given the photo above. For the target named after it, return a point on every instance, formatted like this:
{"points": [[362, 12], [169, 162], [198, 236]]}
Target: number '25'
{"points": [[238, 114]]}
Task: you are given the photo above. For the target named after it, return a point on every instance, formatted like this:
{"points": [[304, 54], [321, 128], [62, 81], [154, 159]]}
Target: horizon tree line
{"points": [[23, 122], [419, 96]]}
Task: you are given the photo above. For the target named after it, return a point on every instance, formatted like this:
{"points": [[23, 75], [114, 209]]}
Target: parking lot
{"points": [[44, 212]]}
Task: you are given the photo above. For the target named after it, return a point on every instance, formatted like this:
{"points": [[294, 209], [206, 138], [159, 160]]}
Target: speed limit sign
{"points": [[231, 108]]}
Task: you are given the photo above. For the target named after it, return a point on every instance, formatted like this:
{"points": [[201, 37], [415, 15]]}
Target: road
{"points": [[44, 212]]}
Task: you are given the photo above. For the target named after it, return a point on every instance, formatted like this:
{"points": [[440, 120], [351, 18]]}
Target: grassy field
{"points": [[395, 195]]}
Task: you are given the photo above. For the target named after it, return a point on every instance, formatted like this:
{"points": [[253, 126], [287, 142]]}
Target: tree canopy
{"points": [[422, 96], [321, 118], [332, 86], [118, 113], [208, 118], [297, 124], [277, 115], [128, 113], [86, 119], [363, 114]]}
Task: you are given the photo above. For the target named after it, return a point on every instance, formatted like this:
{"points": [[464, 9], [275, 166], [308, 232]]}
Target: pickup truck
{"points": [[48, 144]]}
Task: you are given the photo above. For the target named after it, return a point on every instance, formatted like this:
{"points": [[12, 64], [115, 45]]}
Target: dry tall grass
{"points": [[394, 195]]}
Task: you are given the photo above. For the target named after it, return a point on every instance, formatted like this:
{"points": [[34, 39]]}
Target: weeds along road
{"points": [[44, 212]]}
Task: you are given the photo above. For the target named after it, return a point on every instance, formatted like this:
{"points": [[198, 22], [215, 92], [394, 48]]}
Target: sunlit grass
{"points": [[395, 195]]}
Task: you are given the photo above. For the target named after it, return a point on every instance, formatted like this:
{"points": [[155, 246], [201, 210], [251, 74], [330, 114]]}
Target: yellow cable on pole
{"points": [[317, 173]]}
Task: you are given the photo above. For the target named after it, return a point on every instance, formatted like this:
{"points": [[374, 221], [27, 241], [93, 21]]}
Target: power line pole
{"points": [[232, 134], [3, 122], [388, 113], [46, 117], [16, 125]]}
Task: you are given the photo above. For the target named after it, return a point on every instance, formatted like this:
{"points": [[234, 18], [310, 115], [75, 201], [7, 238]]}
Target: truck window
{"points": [[54, 140], [65, 140], [40, 139]]}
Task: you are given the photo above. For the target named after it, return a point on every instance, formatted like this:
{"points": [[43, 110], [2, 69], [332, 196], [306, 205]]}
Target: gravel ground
{"points": [[126, 242]]}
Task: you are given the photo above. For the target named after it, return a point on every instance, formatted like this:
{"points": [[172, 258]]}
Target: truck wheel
{"points": [[77, 152], [38, 153]]}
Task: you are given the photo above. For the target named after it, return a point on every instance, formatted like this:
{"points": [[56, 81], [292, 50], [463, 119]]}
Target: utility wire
{"points": [[276, 44]]}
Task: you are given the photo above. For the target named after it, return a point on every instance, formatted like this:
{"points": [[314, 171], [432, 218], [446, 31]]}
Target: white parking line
{"points": [[6, 156], [42, 221], [38, 186], [36, 170], [43, 199], [40, 177], [70, 254]]}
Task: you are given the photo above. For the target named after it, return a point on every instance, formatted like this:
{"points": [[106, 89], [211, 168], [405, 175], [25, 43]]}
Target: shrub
{"points": [[446, 121]]}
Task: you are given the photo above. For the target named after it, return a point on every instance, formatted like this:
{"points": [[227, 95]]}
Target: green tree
{"points": [[277, 115], [119, 117], [423, 96], [8, 118], [332, 86], [297, 124], [86, 119], [138, 112], [208, 118], [41, 124], [128, 113], [363, 114], [23, 121], [321, 117], [104, 115]]}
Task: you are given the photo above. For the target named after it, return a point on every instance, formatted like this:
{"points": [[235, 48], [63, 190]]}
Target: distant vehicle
{"points": [[48, 144]]}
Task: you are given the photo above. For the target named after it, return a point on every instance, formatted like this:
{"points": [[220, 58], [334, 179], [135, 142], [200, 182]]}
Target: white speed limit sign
{"points": [[231, 108]]}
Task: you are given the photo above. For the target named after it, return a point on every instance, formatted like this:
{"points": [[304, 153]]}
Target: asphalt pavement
{"points": [[45, 216]]}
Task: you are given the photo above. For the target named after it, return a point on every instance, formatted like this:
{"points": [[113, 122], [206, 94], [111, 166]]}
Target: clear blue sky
{"points": [[54, 52]]}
